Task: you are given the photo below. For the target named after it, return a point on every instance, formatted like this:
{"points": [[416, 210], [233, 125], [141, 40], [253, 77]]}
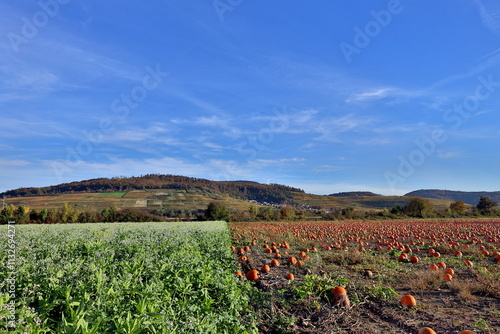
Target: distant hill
{"points": [[243, 190], [469, 197], [354, 194], [160, 194]]}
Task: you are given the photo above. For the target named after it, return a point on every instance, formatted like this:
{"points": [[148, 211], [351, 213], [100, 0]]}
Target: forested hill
{"points": [[271, 193], [469, 197]]}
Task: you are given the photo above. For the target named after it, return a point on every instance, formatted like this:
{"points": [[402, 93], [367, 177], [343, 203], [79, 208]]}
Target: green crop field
{"points": [[121, 278]]}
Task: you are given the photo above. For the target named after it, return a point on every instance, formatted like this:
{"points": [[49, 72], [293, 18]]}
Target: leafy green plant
{"points": [[482, 325], [381, 293], [127, 278]]}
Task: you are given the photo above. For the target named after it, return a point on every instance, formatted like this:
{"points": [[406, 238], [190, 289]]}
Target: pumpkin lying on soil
{"points": [[408, 300], [253, 275], [265, 268]]}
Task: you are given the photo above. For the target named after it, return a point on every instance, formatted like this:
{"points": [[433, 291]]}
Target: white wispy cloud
{"points": [[13, 163], [374, 141], [35, 128], [326, 168], [447, 154], [489, 12], [261, 163], [369, 95]]}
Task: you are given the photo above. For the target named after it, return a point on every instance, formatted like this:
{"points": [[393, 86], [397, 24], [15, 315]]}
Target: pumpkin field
{"points": [[282, 277], [422, 276]]}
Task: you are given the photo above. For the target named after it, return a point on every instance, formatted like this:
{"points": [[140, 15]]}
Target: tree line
{"points": [[69, 214], [415, 207]]}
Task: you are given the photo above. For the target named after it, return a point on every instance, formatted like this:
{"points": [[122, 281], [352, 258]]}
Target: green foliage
{"points": [[458, 207], [7, 213], [70, 214], [381, 293], [486, 205], [482, 325], [217, 211], [287, 213], [267, 213], [419, 207], [126, 278], [317, 286]]}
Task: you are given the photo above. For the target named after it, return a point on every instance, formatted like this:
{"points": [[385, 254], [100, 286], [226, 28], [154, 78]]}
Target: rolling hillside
{"points": [[163, 193], [469, 197]]}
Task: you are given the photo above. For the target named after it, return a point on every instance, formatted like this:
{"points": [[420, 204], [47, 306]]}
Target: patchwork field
{"points": [[451, 269], [194, 199], [166, 199]]}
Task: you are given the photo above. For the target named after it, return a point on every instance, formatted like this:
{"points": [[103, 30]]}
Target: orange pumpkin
{"points": [[275, 263], [239, 274], [339, 291], [290, 277], [414, 259], [265, 268], [426, 330], [408, 300], [433, 267], [441, 265], [467, 332], [291, 260], [253, 275], [447, 277], [450, 271]]}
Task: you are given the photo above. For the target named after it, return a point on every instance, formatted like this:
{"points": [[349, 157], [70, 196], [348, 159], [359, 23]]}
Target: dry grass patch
{"points": [[424, 280]]}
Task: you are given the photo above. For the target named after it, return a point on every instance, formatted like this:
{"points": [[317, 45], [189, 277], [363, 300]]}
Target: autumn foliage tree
{"points": [[419, 207], [458, 207]]}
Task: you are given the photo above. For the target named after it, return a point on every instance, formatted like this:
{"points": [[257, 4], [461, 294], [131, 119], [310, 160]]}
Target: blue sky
{"points": [[329, 96]]}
